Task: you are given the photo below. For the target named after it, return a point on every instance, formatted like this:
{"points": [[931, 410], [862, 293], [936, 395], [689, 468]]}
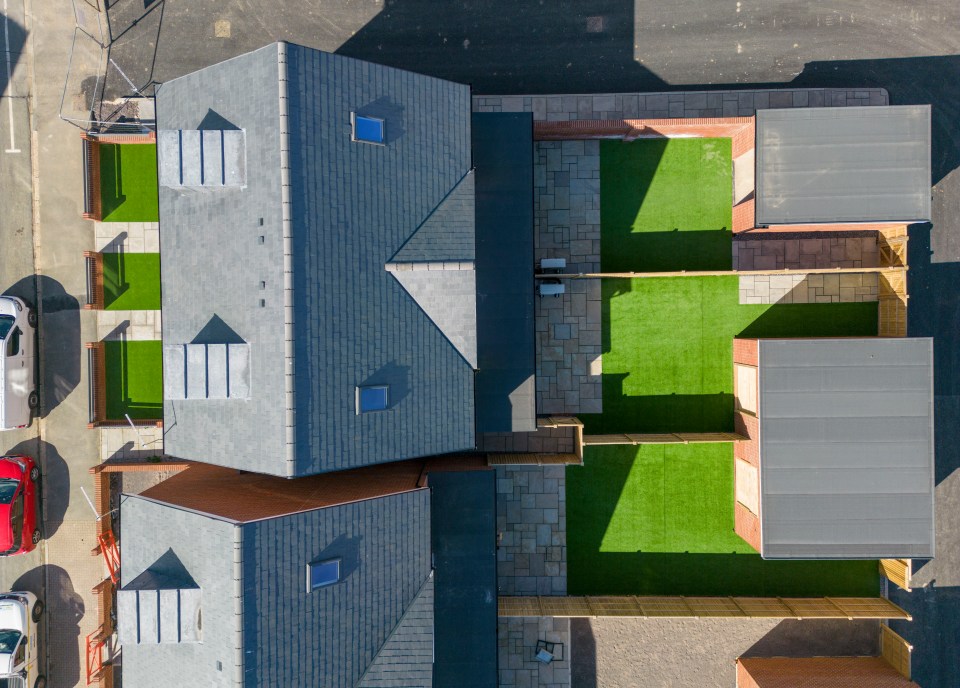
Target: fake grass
{"points": [[131, 281], [128, 182], [666, 204], [134, 379], [659, 519]]}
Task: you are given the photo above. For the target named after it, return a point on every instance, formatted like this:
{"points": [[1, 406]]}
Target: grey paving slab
{"points": [[517, 640], [531, 530]]}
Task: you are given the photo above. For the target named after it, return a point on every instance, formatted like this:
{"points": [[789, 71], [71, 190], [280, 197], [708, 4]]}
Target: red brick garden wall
{"points": [[745, 351]]}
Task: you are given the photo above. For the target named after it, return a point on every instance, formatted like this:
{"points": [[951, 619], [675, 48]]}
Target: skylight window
{"points": [[367, 129], [372, 398], [320, 574]]}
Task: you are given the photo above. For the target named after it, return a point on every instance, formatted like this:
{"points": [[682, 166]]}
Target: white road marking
{"points": [[6, 40]]}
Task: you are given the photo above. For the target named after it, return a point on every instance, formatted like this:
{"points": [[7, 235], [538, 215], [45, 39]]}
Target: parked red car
{"points": [[19, 530]]}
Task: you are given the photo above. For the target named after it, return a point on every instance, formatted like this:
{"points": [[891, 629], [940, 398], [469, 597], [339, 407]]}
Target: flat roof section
{"points": [[506, 368], [464, 523], [846, 448], [855, 164]]}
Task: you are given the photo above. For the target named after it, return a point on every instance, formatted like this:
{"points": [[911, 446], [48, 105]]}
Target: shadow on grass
{"points": [[115, 282], [658, 413], [667, 251], [111, 179], [134, 379], [807, 320]]}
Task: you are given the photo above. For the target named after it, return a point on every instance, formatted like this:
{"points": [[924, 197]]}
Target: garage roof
{"points": [[854, 164], [846, 448]]}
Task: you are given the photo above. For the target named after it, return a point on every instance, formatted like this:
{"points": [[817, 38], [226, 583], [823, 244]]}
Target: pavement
{"points": [[41, 260], [521, 47]]}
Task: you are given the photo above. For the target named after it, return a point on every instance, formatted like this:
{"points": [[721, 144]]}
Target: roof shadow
{"points": [[216, 331], [213, 120]]}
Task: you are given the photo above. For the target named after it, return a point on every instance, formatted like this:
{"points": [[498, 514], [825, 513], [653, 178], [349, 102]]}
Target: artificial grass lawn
{"points": [[134, 379], [666, 204], [128, 182], [131, 281], [659, 519]]}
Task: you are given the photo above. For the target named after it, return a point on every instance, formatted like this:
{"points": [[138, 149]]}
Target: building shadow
{"points": [[934, 632], [14, 39], [819, 638], [60, 351], [61, 620]]}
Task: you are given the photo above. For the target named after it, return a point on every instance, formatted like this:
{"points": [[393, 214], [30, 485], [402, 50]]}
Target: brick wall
{"points": [[836, 227], [746, 351], [818, 672], [739, 129], [746, 524], [744, 215], [746, 424]]}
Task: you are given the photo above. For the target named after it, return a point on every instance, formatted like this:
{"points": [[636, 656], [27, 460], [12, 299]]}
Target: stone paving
{"points": [[133, 237], [742, 103], [531, 530], [129, 325], [567, 225], [516, 648], [544, 440], [844, 288], [125, 443], [796, 252]]}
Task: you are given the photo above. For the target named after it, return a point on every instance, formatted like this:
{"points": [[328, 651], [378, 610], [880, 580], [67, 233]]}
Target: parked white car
{"points": [[18, 378], [19, 655]]}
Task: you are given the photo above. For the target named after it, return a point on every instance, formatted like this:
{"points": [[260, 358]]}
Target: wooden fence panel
{"points": [[696, 607], [895, 650], [897, 571]]}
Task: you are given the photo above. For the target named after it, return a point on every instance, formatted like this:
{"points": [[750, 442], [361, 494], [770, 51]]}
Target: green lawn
{"points": [[666, 204], [131, 281], [134, 377], [659, 519], [128, 182]]}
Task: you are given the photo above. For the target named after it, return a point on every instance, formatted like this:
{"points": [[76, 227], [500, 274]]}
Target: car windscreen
{"points": [[8, 488], [8, 641], [6, 324]]}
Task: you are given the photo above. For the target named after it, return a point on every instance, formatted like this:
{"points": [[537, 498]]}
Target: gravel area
{"points": [[700, 653]]}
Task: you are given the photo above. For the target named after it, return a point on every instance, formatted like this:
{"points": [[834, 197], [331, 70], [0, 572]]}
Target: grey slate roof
{"points": [[448, 233], [506, 361], [294, 263], [406, 658], [846, 448], [259, 621], [856, 164]]}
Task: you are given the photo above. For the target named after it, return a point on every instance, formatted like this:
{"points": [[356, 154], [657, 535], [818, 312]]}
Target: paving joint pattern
{"points": [[129, 237], [516, 648], [531, 530]]}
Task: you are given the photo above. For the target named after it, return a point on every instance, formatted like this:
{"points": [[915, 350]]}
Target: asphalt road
{"points": [[551, 46]]}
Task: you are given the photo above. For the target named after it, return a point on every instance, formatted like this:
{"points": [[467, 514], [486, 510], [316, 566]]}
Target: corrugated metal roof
{"points": [[846, 448], [294, 263], [855, 164], [503, 157]]}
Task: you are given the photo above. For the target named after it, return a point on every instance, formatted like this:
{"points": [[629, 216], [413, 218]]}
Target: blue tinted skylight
{"points": [[369, 129], [372, 398], [323, 573]]}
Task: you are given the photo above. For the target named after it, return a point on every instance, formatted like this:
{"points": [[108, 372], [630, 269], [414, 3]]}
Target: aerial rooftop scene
{"points": [[541, 345]]}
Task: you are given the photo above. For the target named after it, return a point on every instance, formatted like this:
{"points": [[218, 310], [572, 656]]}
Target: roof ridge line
{"points": [[429, 215], [287, 232], [394, 630]]}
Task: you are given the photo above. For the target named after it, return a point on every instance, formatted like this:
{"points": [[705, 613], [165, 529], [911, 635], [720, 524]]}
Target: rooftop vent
{"points": [[206, 371], [151, 617], [208, 158]]}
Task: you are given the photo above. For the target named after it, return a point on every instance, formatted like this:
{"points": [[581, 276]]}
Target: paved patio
{"points": [[133, 237], [544, 440], [531, 530], [846, 288], [780, 251], [567, 212], [516, 648]]}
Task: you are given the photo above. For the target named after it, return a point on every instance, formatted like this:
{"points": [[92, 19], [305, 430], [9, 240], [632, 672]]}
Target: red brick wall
{"points": [[745, 351], [836, 227], [747, 424], [818, 672], [746, 524], [744, 216]]}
